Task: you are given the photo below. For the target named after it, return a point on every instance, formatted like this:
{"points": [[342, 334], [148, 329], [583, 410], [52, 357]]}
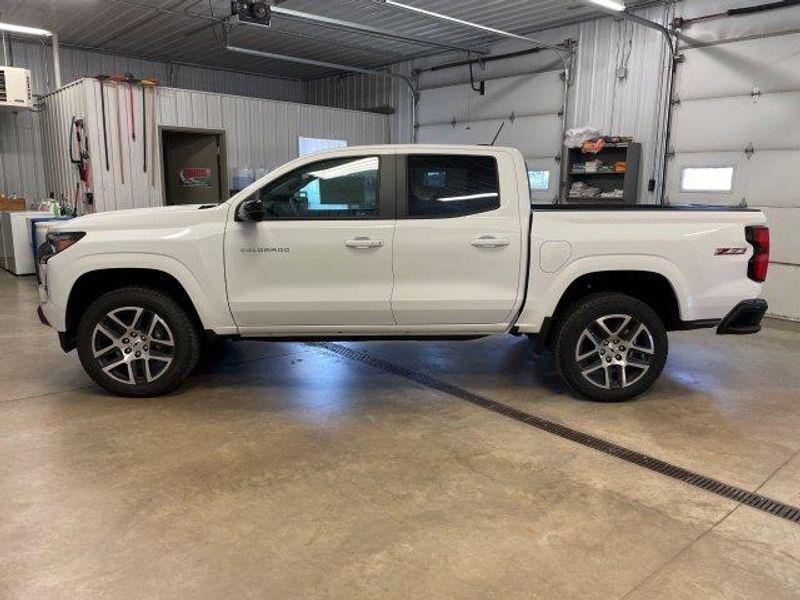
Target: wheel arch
{"points": [[650, 287], [91, 285], [654, 289]]}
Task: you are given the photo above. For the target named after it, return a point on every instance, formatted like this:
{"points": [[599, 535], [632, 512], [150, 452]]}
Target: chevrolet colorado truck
{"points": [[416, 242]]}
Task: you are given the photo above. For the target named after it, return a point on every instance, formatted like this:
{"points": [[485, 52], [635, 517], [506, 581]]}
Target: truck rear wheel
{"points": [[137, 342], [610, 347]]}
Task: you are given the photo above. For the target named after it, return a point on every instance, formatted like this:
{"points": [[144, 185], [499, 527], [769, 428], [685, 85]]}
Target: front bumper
{"points": [[744, 319]]}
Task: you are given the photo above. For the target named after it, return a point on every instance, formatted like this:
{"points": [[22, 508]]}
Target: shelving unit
{"points": [[605, 178]]}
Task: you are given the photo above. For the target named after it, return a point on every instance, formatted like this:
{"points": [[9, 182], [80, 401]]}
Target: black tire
{"points": [[578, 333], [175, 338]]}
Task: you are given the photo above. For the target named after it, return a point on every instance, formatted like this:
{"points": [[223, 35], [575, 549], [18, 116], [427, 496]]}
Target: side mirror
{"points": [[250, 210]]}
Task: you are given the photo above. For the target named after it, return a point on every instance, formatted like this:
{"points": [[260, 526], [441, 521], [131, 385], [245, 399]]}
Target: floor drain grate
{"points": [[762, 503]]}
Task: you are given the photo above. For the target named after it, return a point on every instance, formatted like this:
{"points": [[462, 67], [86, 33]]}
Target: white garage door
{"points": [[737, 130], [529, 105]]}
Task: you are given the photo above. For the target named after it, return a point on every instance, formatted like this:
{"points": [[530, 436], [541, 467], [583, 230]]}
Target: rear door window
{"points": [[442, 186]]}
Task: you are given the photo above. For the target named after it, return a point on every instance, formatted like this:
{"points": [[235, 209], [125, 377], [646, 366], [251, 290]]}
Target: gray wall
{"points": [[21, 167], [259, 134]]}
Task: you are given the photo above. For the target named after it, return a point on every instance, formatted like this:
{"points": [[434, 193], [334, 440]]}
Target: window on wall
{"points": [[451, 185], [308, 145], [342, 188], [707, 179], [539, 180]]}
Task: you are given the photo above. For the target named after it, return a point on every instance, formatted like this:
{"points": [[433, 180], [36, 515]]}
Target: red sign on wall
{"points": [[195, 177]]}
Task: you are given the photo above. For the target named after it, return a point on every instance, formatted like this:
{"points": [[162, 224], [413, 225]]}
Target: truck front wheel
{"points": [[137, 341], [610, 347]]}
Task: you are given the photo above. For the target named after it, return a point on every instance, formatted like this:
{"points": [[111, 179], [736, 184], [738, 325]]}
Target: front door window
{"points": [[341, 188]]}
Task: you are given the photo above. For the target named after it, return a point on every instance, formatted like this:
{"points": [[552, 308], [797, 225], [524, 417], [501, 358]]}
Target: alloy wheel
{"points": [[614, 351], [133, 345]]}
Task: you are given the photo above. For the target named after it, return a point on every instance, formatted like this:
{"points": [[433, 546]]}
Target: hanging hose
{"points": [[481, 89]]}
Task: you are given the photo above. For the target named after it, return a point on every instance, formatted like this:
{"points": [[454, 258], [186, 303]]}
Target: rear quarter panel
{"points": [[680, 245]]}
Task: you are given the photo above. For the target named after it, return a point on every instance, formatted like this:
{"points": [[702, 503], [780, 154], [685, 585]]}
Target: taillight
{"points": [[758, 237]]}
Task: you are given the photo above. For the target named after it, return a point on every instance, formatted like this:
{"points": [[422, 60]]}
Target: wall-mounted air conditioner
{"points": [[15, 88]]}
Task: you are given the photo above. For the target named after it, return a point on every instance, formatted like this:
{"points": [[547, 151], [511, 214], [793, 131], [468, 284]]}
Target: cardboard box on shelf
{"points": [[12, 204]]}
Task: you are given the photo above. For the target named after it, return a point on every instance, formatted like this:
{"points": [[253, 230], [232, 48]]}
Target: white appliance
{"points": [[15, 88], [17, 242]]}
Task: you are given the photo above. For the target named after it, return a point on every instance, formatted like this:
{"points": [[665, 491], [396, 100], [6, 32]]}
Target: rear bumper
{"points": [[745, 318]]}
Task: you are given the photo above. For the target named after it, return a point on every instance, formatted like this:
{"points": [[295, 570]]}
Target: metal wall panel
{"points": [[366, 92], [260, 135], [635, 105], [60, 176], [21, 136], [21, 169], [77, 64]]}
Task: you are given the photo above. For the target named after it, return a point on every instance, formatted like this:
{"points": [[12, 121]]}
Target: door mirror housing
{"points": [[251, 209]]}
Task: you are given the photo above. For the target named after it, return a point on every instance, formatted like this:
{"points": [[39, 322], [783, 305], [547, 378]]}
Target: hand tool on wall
{"points": [[154, 158], [101, 79], [144, 129], [129, 80], [145, 83], [79, 156], [132, 109], [119, 132]]}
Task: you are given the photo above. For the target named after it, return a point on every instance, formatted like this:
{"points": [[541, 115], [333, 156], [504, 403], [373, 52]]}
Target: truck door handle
{"points": [[362, 243], [489, 241]]}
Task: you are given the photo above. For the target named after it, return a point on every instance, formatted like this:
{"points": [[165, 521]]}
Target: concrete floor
{"points": [[285, 471]]}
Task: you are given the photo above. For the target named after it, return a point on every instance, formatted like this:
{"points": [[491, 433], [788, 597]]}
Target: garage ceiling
{"points": [[183, 30]]}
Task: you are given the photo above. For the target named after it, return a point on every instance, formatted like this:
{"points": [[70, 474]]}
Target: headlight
{"points": [[57, 242]]}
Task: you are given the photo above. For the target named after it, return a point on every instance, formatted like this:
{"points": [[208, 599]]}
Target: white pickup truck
{"points": [[416, 242]]}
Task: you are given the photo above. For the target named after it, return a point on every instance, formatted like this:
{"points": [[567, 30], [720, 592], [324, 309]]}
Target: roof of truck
{"points": [[409, 148]]}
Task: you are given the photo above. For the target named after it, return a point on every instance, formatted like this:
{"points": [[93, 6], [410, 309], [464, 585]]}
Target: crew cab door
{"points": [[319, 253], [458, 242]]}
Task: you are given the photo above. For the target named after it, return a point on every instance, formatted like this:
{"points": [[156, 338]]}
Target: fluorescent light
{"points": [[24, 30], [609, 4]]}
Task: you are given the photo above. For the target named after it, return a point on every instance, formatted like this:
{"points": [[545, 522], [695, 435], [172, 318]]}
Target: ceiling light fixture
{"points": [[609, 4], [21, 29]]}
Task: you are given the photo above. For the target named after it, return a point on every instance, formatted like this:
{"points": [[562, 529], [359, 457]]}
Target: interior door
{"points": [[321, 255], [192, 167], [458, 243]]}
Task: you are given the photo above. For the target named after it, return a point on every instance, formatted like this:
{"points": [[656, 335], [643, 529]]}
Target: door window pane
{"points": [[707, 179], [451, 185], [341, 188]]}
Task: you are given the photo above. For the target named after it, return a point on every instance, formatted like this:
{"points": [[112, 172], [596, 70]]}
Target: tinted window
{"points": [[451, 186], [341, 188]]}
